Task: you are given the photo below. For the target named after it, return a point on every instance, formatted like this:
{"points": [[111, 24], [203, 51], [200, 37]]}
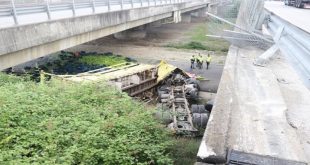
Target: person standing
{"points": [[193, 58], [208, 61], [200, 61]]}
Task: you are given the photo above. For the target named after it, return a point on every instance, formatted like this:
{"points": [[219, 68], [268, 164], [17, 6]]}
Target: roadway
{"points": [[295, 16]]}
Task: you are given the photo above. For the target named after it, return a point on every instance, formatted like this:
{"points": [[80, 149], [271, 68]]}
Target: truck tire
{"points": [[200, 120], [164, 96], [164, 116], [209, 105], [300, 4], [194, 108], [198, 109]]}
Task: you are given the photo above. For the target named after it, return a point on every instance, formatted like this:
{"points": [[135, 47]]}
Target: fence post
{"points": [[122, 4], [109, 5], [93, 6], [73, 8], [141, 1], [14, 12], [48, 12]]}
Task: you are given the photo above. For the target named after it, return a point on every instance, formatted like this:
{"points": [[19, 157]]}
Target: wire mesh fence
{"points": [[237, 22]]}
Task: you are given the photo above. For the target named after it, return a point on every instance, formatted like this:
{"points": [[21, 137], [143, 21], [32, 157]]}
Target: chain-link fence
{"points": [[237, 21]]}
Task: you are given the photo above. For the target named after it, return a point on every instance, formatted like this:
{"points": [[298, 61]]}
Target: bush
{"points": [[64, 123]]}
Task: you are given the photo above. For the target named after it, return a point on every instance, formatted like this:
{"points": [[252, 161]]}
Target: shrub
{"points": [[67, 123]]}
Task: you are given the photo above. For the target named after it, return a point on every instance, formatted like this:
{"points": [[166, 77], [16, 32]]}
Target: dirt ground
{"points": [[152, 50]]}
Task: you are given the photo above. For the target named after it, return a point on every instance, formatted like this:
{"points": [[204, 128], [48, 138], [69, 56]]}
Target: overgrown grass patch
{"points": [[199, 41], [184, 150], [102, 60]]}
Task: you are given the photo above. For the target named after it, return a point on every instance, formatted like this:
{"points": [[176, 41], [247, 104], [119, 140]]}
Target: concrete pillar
{"points": [[186, 18], [177, 16], [135, 33]]}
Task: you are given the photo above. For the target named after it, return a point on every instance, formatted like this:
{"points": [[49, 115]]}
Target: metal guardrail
{"points": [[294, 43], [14, 10]]}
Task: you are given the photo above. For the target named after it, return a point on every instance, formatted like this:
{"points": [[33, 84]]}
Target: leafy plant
{"points": [[102, 60], [67, 123]]}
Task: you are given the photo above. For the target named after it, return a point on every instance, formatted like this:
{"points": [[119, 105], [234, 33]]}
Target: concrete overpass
{"points": [[22, 43]]}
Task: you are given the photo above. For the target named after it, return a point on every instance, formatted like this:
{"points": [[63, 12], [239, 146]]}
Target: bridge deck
{"points": [[295, 16], [260, 110]]}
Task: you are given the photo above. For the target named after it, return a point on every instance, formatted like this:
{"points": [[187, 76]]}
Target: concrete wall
{"points": [[24, 43]]}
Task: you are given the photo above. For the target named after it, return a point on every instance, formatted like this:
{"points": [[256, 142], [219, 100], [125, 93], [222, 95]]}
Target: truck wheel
{"points": [[164, 96], [194, 108], [289, 3], [299, 4], [198, 109], [202, 109], [164, 116], [200, 120]]}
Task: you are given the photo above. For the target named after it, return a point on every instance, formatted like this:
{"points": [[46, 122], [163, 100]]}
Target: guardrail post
{"points": [[132, 4], [73, 8], [48, 12], [122, 4], [93, 6], [141, 3], [14, 12], [109, 5]]}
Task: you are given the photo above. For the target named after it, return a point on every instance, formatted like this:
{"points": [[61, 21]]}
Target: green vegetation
{"points": [[199, 40], [65, 123], [99, 60], [197, 46], [185, 151]]}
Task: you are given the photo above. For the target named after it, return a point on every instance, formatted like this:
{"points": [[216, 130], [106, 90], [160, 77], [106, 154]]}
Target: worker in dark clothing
{"points": [[208, 61], [197, 61], [193, 59]]}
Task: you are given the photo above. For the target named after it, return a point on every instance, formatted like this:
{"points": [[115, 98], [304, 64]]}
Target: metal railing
{"points": [[294, 43], [13, 9]]}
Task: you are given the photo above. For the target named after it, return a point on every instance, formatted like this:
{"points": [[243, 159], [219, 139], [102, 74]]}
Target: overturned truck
{"points": [[173, 89]]}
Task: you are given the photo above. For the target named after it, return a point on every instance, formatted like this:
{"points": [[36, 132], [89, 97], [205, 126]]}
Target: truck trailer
{"points": [[296, 3]]}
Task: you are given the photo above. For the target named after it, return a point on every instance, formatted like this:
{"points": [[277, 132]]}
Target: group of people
{"points": [[199, 61]]}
